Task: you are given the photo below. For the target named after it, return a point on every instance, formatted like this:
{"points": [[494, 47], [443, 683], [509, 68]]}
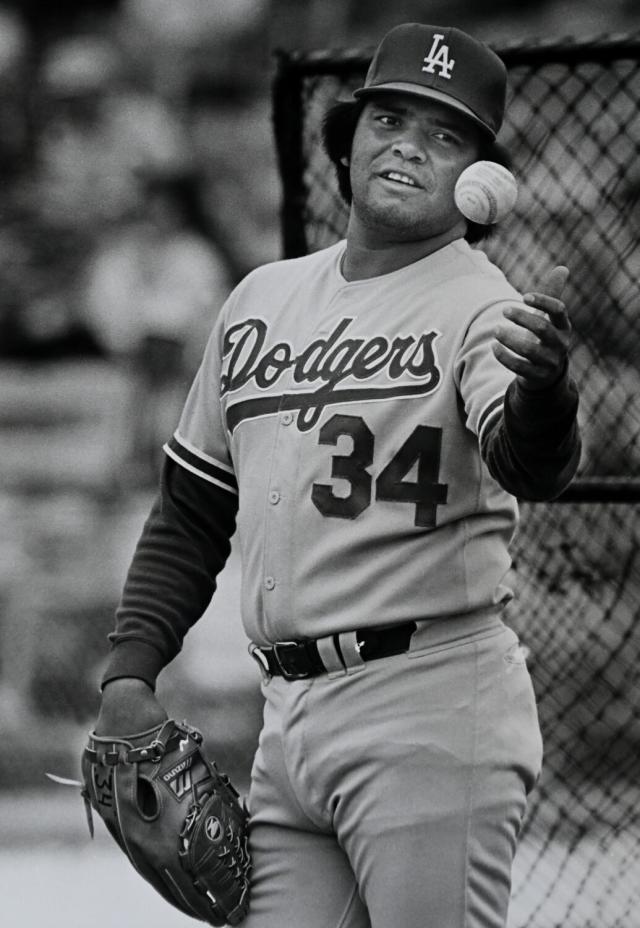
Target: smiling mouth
{"points": [[399, 178]]}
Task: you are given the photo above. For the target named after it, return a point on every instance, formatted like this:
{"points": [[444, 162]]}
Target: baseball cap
{"points": [[444, 64]]}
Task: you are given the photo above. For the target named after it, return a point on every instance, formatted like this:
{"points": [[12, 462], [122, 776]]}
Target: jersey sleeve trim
{"points": [[490, 413], [200, 454], [196, 462]]}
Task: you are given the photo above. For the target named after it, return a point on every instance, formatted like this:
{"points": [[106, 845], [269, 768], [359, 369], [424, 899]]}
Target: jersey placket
{"points": [[276, 580], [281, 505]]}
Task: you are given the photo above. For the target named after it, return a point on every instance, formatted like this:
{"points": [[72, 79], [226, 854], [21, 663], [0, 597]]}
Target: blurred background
{"points": [[138, 185]]}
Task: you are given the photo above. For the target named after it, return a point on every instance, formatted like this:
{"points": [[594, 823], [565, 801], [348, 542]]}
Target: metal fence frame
{"points": [[293, 67]]}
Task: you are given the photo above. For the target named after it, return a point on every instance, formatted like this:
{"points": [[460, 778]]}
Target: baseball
{"points": [[485, 192]]}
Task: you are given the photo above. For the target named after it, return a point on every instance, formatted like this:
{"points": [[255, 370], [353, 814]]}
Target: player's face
{"points": [[406, 156]]}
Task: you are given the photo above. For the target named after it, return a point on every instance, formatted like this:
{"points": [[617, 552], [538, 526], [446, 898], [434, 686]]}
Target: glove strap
{"points": [[123, 750]]}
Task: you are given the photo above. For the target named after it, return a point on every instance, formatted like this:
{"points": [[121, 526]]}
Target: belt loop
{"points": [[261, 661], [350, 650], [330, 657]]}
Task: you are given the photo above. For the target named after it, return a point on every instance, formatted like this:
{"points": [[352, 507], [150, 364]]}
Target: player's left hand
{"points": [[535, 344]]}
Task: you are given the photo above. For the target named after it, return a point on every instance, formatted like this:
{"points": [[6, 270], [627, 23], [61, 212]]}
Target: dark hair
{"points": [[338, 129]]}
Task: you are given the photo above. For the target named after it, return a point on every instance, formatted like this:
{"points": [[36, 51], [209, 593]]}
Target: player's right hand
{"points": [[128, 706]]}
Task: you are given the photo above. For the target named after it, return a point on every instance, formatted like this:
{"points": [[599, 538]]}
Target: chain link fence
{"points": [[574, 135]]}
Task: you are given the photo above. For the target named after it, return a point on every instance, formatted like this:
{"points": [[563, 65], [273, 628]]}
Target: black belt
{"points": [[299, 660]]}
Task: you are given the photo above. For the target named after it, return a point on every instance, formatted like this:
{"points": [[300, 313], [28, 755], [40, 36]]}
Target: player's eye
{"points": [[387, 119], [446, 137]]}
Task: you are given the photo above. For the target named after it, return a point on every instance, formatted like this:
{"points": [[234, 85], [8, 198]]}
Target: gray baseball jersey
{"points": [[347, 416]]}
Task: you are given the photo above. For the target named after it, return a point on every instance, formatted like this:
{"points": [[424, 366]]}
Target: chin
{"points": [[394, 217], [413, 230]]}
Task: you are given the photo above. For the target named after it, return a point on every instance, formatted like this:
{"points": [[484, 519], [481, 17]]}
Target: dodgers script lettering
{"points": [[326, 363]]}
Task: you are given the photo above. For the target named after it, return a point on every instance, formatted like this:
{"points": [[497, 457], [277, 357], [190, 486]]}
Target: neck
{"points": [[365, 258]]}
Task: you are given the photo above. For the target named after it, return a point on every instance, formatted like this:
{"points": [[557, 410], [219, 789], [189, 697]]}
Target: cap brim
{"points": [[417, 90]]}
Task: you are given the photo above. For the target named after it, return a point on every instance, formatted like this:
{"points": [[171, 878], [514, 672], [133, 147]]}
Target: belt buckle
{"points": [[288, 674]]}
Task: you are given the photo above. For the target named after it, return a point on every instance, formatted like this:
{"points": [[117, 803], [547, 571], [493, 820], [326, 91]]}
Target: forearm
{"points": [[183, 546], [533, 449]]}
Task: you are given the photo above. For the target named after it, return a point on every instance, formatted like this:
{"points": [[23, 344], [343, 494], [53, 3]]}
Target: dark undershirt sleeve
{"points": [[183, 546], [533, 448]]}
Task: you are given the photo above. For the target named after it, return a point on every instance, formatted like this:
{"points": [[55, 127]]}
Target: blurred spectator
{"points": [[97, 130], [180, 40], [152, 291], [232, 138], [40, 315], [48, 328], [14, 49]]}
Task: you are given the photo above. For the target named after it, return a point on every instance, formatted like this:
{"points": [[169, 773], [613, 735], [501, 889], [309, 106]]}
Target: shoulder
{"points": [[269, 289], [293, 270], [472, 291], [479, 279]]}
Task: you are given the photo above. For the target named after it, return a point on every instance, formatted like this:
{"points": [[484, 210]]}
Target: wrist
{"points": [[133, 658], [126, 684], [129, 705], [539, 386]]}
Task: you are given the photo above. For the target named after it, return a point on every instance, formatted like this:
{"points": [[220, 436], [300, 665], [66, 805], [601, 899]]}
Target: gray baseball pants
{"points": [[391, 795]]}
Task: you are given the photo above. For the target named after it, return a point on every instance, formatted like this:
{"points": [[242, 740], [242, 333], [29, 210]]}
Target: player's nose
{"points": [[409, 149]]}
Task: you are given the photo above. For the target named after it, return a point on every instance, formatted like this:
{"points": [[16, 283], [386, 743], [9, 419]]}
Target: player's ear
{"points": [[494, 151]]}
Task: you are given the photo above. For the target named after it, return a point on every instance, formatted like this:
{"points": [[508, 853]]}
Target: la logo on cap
{"points": [[438, 57], [457, 70]]}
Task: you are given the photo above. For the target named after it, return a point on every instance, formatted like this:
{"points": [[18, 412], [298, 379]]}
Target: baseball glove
{"points": [[176, 817]]}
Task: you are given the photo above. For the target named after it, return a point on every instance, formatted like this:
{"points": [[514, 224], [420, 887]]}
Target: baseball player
{"points": [[367, 417]]}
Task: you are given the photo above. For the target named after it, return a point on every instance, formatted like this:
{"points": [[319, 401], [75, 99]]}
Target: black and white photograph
{"points": [[320, 464]]}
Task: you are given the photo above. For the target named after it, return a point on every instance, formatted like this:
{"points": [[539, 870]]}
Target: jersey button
{"points": [[274, 497], [286, 418], [269, 583]]}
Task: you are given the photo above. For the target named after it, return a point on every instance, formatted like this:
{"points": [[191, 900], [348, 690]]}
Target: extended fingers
{"points": [[530, 345], [552, 306], [533, 340], [549, 297], [533, 372], [555, 281], [542, 325], [518, 343]]}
